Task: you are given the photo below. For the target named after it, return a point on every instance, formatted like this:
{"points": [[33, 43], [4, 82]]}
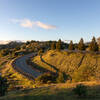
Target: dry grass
{"points": [[14, 78], [55, 92], [70, 63]]}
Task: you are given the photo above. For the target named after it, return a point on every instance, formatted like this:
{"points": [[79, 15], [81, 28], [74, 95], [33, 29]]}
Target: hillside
{"points": [[79, 66], [15, 79], [55, 92]]}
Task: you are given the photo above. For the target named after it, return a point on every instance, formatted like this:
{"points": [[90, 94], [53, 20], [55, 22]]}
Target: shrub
{"points": [[46, 78], [4, 52], [40, 52], [60, 78], [3, 86], [80, 90]]}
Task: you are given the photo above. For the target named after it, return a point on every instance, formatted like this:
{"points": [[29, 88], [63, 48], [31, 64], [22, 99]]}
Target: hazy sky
{"points": [[49, 19]]}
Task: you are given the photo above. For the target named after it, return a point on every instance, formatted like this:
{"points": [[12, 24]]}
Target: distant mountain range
{"points": [[8, 41]]}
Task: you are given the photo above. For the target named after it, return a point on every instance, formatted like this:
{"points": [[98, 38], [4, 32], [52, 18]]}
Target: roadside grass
{"points": [[15, 79], [57, 92]]}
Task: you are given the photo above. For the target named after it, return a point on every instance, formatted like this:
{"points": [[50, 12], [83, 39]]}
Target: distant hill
{"points": [[2, 42], [10, 44]]}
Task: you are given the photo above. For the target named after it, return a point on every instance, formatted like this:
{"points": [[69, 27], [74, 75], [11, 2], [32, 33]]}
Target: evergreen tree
{"points": [[71, 46], [59, 45], [53, 46], [81, 45], [93, 45]]}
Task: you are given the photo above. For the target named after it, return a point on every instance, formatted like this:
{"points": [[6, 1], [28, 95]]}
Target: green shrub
{"points": [[80, 90], [46, 78], [60, 78], [4, 52], [3, 86]]}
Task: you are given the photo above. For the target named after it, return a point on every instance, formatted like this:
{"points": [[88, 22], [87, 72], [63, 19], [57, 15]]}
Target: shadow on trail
{"points": [[48, 64]]}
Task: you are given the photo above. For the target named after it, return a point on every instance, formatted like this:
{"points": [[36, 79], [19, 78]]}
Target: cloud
{"points": [[31, 24], [24, 22], [27, 23], [45, 26]]}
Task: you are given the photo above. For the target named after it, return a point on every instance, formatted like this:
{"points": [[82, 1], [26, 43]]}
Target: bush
{"points": [[60, 78], [80, 90], [4, 52], [40, 52], [3, 86], [46, 78]]}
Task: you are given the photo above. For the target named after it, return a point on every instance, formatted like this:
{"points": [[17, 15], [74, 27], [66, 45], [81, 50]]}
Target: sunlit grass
{"points": [[70, 62], [55, 92]]}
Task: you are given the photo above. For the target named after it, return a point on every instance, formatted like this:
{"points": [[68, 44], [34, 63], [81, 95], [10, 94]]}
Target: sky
{"points": [[49, 19]]}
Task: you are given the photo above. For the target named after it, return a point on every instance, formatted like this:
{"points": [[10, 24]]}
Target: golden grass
{"points": [[55, 92], [70, 63], [15, 78]]}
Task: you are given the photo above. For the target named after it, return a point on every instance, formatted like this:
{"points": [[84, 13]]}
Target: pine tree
{"points": [[71, 46], [93, 45], [53, 46], [59, 45], [81, 45]]}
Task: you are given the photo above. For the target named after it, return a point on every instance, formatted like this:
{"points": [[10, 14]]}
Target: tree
{"points": [[59, 45], [71, 46], [93, 45], [53, 46], [3, 86], [81, 45]]}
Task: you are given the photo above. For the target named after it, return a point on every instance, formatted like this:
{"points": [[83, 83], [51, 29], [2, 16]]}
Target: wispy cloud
{"points": [[31, 24], [45, 26]]}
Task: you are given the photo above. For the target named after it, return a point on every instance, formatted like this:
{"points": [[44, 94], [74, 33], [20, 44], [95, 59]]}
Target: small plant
{"points": [[80, 90]]}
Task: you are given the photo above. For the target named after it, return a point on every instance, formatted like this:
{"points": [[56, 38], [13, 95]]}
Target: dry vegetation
{"points": [[80, 66], [55, 92], [15, 79], [83, 67]]}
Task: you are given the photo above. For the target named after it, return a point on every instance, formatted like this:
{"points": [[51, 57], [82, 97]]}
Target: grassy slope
{"points": [[56, 92], [71, 63], [13, 77]]}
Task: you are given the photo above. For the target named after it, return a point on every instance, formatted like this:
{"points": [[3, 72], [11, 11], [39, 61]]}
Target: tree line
{"points": [[93, 46]]}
